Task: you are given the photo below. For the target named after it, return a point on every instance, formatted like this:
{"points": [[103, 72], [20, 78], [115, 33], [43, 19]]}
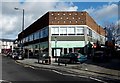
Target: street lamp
{"points": [[55, 48], [22, 18], [22, 25]]}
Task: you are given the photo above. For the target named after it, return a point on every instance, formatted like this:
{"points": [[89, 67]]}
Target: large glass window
{"points": [[90, 32], [40, 34], [80, 30], [71, 30], [55, 30], [63, 30], [87, 31], [45, 32], [36, 35], [27, 39], [31, 37]]}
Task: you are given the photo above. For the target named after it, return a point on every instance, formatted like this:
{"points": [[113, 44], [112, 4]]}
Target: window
{"points": [[71, 30], [79, 18], [55, 17], [70, 14], [55, 30], [70, 21], [67, 18], [79, 30], [44, 32], [40, 34], [27, 39], [52, 14], [73, 18], [61, 17], [58, 14], [63, 30], [36, 35], [89, 32], [31, 37]]}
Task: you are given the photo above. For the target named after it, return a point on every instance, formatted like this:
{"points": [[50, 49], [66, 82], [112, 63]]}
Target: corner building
{"points": [[61, 32]]}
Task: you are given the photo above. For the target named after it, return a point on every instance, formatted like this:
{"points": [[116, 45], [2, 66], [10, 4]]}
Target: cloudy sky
{"points": [[11, 19]]}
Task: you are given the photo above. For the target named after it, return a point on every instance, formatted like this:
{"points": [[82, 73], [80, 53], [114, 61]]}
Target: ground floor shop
{"points": [[52, 48]]}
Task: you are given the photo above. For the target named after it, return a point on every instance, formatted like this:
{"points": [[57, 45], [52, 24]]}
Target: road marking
{"points": [[79, 76], [32, 67], [65, 74], [98, 80], [57, 72]]}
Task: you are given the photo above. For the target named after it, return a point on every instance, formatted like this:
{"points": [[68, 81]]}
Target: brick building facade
{"points": [[61, 32]]}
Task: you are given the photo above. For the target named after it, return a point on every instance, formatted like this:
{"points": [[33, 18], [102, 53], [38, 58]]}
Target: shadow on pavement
{"points": [[111, 64]]}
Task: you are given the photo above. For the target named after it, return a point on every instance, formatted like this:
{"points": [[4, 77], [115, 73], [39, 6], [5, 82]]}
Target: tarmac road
{"points": [[15, 73]]}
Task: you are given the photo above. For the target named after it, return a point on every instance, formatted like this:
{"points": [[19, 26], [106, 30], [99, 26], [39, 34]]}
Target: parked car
{"points": [[99, 56], [9, 54], [72, 58], [17, 55]]}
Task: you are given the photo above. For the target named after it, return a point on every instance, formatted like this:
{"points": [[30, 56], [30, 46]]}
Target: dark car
{"points": [[99, 56], [9, 54], [73, 58], [17, 55]]}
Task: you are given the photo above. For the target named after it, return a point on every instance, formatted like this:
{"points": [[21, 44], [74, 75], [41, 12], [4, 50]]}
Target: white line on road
{"points": [[79, 76], [98, 80], [66, 74], [57, 72]]}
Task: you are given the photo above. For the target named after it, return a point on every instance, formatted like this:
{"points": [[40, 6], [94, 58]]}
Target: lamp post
{"points": [[22, 25], [22, 18], [55, 48]]}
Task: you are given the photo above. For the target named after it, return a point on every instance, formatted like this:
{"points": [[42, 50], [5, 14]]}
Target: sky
{"points": [[11, 20]]}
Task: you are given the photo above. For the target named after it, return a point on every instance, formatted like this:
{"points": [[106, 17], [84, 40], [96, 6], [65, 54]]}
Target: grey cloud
{"points": [[33, 11]]}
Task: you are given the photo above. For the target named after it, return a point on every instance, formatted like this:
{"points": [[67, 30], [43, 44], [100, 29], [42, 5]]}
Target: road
{"points": [[15, 73]]}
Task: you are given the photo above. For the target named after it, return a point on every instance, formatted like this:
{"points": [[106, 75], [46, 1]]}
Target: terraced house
{"points": [[61, 32]]}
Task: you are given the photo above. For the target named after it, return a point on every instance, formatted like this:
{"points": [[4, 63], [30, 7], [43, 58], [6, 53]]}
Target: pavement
{"points": [[102, 70]]}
